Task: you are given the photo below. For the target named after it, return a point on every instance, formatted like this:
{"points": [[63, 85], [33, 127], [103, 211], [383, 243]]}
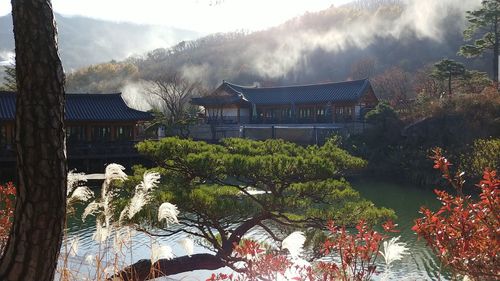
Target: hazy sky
{"points": [[204, 16]]}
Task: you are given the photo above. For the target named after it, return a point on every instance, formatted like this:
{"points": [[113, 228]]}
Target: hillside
{"points": [[85, 41], [366, 38], [360, 39]]}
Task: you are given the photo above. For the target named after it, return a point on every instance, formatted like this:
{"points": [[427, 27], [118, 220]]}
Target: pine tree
{"points": [[484, 22], [446, 70], [10, 83], [225, 190], [36, 236]]}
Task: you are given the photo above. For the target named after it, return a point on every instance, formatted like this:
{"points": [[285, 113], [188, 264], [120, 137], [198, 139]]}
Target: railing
{"points": [[85, 150], [227, 120]]}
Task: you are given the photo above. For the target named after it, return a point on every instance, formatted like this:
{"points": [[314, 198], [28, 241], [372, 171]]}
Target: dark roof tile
{"points": [[84, 107], [301, 94]]}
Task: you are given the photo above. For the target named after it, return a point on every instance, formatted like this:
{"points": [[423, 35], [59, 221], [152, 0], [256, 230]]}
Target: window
{"points": [[286, 113], [75, 133], [305, 112], [124, 133], [320, 112], [101, 133]]}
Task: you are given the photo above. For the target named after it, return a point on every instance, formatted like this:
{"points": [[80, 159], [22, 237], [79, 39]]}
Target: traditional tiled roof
{"points": [[224, 94], [7, 105], [301, 94], [83, 107]]}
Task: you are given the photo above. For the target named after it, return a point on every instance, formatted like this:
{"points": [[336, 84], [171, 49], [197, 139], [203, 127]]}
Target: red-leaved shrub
{"points": [[465, 232], [7, 197]]}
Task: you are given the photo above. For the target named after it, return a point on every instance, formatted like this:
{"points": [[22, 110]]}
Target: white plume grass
{"points": [[161, 252], [142, 195], [82, 193], [122, 237], [134, 206], [74, 244], [393, 250], [114, 172], [294, 243], [150, 181], [90, 259], [91, 209], [188, 245], [76, 190], [168, 212], [74, 179], [102, 232]]}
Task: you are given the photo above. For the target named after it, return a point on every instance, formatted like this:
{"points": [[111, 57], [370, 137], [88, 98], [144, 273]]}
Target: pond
{"points": [[405, 199]]}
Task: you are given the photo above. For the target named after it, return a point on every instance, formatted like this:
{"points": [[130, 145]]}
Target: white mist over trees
{"points": [[322, 46]]}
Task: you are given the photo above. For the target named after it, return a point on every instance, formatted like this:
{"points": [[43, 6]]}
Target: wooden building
{"points": [[97, 126], [302, 104]]}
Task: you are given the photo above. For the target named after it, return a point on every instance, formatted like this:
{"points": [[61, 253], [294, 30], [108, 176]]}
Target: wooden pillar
{"points": [[88, 129], [113, 133], [8, 133], [135, 128], [238, 114]]}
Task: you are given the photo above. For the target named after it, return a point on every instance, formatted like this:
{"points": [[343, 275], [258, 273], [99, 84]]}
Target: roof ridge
{"points": [[95, 94], [364, 80], [73, 94]]}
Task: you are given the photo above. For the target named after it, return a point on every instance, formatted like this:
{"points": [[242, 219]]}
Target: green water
{"points": [[405, 199]]}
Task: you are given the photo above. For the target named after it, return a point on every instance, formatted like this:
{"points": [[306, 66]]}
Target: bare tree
{"points": [[424, 84], [35, 240], [394, 85], [174, 91]]}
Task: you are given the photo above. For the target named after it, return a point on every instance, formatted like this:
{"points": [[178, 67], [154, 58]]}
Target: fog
{"points": [[423, 18]]}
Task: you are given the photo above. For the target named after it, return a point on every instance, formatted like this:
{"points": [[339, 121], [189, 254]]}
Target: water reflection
{"points": [[406, 200]]}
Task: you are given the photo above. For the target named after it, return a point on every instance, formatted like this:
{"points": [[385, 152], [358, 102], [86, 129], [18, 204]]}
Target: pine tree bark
{"points": [[143, 270], [35, 240], [495, 51]]}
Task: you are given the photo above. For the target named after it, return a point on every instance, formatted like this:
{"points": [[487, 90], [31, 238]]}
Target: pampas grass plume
{"points": [[294, 243]]}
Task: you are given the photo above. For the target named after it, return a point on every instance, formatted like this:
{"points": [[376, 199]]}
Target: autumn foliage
{"points": [[357, 251], [257, 264], [7, 197], [465, 232], [350, 255]]}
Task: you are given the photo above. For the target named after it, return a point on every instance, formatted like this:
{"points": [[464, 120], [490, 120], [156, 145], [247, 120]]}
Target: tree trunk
{"points": [[143, 270], [35, 240], [495, 51]]}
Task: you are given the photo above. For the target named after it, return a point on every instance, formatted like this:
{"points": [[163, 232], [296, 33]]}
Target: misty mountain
{"points": [[334, 44], [362, 39], [84, 41]]}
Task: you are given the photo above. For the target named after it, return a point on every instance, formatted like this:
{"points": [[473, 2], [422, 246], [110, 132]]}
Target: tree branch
{"points": [[144, 270]]}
